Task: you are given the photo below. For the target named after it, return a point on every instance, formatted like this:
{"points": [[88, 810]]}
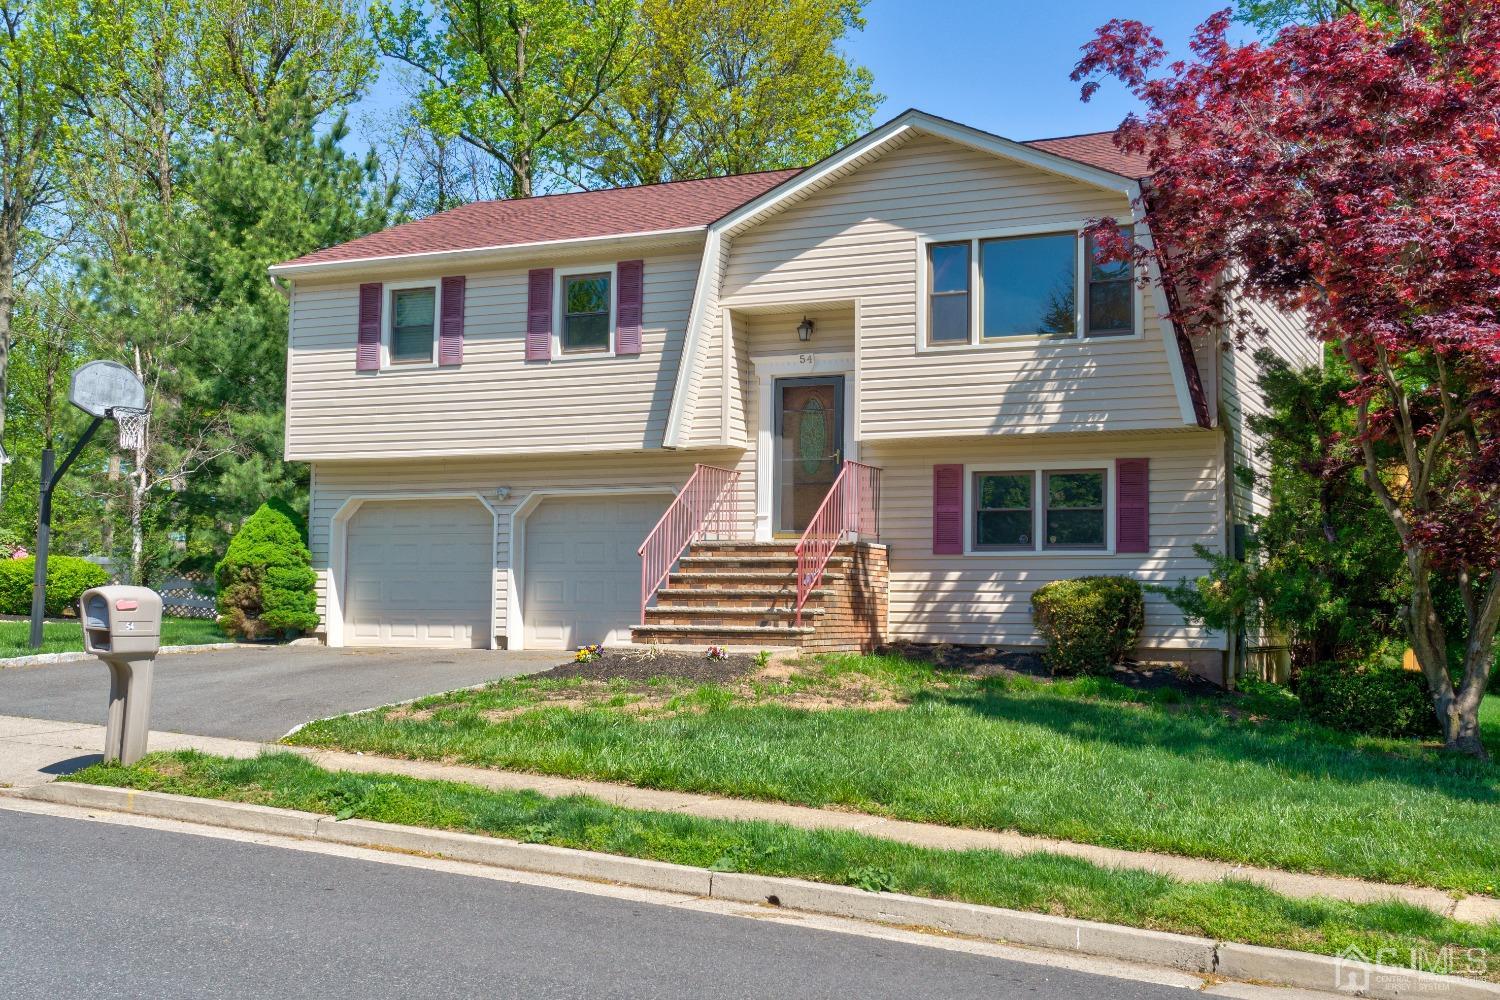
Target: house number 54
{"points": [[807, 360]]}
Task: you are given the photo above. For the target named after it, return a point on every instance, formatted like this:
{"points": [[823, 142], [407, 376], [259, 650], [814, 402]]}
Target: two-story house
{"points": [[902, 360]]}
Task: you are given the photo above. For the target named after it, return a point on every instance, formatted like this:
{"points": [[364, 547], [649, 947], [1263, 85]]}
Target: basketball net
{"points": [[132, 425]]}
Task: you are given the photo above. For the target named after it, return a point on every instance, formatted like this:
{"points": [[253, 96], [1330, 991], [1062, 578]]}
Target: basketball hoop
{"points": [[132, 425]]}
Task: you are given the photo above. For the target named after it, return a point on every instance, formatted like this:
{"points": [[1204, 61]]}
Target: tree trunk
{"points": [[7, 308]]}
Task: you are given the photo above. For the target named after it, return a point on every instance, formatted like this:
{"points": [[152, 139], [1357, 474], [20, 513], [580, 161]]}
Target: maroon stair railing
{"points": [[705, 508], [852, 507]]}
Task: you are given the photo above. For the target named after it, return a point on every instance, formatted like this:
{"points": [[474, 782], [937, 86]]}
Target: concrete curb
{"points": [[1193, 954], [40, 659]]}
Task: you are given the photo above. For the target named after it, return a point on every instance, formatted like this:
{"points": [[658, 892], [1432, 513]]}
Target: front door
{"points": [[809, 447]]}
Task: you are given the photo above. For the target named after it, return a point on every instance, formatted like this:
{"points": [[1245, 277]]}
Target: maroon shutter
{"points": [[451, 328], [1133, 505], [628, 306], [947, 510], [367, 354], [539, 314]]}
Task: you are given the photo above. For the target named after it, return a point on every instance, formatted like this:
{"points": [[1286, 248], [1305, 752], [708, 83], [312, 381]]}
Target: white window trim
{"points": [[558, 310], [976, 339], [388, 325], [1038, 477]]}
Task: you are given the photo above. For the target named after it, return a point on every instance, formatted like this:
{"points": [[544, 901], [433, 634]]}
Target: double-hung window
{"points": [[586, 307], [1109, 308], [1029, 286], [1074, 509], [413, 324], [1032, 510], [948, 284], [1003, 516]]}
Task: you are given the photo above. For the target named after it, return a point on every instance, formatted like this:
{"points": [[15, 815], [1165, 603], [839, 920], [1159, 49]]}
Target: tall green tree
{"points": [[732, 86], [33, 127], [1270, 16], [207, 330], [516, 79]]}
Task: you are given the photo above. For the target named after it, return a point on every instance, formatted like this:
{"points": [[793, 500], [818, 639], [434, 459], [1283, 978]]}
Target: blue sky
{"points": [[999, 66]]}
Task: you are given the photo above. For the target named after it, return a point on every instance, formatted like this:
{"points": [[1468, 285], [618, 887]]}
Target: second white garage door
{"points": [[419, 574], [582, 576]]}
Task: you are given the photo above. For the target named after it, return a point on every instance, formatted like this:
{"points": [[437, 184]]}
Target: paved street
{"points": [[260, 693], [103, 910]]}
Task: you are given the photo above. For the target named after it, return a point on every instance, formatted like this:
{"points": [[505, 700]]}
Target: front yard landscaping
{"points": [[67, 636], [1240, 778], [1225, 910]]}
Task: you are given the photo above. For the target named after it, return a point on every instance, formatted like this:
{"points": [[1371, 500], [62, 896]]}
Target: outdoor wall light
{"points": [[804, 330]]}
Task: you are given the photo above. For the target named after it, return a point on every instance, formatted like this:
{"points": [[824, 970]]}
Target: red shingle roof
{"points": [[622, 211], [1097, 149], [577, 215]]}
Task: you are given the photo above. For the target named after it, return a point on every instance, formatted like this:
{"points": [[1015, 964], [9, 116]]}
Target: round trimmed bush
{"points": [[265, 580], [1377, 698], [67, 578], [1090, 624]]}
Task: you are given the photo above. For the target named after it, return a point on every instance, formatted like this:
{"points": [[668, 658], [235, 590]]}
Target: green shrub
{"points": [[1376, 698], [1090, 624], [67, 578], [265, 578]]}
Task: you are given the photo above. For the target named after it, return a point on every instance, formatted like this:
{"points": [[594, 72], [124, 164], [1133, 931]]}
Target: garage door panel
{"points": [[582, 575], [419, 573]]}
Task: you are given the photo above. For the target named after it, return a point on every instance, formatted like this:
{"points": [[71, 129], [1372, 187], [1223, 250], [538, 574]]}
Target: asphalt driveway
{"points": [[260, 693]]}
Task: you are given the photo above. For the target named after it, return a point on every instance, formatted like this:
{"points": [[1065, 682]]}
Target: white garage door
{"points": [[418, 574], [582, 576]]}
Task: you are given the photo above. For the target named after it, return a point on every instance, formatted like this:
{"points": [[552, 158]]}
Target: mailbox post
{"points": [[122, 626]]}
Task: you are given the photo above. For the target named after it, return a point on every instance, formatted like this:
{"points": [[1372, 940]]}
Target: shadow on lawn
{"points": [[1303, 750]]}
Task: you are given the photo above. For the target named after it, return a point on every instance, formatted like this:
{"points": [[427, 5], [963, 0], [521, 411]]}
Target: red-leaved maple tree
{"points": [[1351, 172]]}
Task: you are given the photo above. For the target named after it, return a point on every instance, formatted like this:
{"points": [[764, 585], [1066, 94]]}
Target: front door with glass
{"points": [[809, 447]]}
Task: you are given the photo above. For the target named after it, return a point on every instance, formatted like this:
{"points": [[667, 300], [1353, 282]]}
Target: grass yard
{"points": [[1228, 910], [1085, 760], [63, 637]]}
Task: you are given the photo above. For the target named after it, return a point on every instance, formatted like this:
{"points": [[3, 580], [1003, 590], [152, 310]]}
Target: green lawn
{"points": [[1226, 910], [61, 637], [1489, 722], [1083, 760]]}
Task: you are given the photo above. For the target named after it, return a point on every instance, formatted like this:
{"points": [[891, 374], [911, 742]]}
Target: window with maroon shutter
{"points": [[451, 326], [1133, 505], [539, 314], [629, 274], [947, 510], [367, 351]]}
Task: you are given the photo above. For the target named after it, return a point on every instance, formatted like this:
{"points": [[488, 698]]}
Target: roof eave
{"points": [[505, 253]]}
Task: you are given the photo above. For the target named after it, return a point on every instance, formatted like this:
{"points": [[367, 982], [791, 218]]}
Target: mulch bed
{"points": [[995, 661], [635, 665]]}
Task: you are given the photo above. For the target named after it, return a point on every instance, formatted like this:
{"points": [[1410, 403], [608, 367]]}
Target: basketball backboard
{"points": [[101, 386]]}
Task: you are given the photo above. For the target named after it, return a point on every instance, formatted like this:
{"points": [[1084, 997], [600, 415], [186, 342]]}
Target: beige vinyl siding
{"points": [[337, 482], [986, 598], [495, 403], [1288, 337], [859, 238]]}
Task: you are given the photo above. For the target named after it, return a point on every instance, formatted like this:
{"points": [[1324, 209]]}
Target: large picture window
{"points": [[1028, 286], [585, 313]]}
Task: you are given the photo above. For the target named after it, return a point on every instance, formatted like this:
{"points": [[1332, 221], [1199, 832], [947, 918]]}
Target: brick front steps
{"points": [[745, 594]]}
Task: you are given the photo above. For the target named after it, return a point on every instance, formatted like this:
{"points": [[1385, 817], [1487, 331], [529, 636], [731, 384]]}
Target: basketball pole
{"points": [[49, 481]]}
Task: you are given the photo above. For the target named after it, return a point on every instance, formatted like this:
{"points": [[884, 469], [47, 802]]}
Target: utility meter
{"points": [[122, 626]]}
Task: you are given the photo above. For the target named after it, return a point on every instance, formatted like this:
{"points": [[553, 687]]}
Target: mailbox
{"points": [[122, 626], [121, 623]]}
